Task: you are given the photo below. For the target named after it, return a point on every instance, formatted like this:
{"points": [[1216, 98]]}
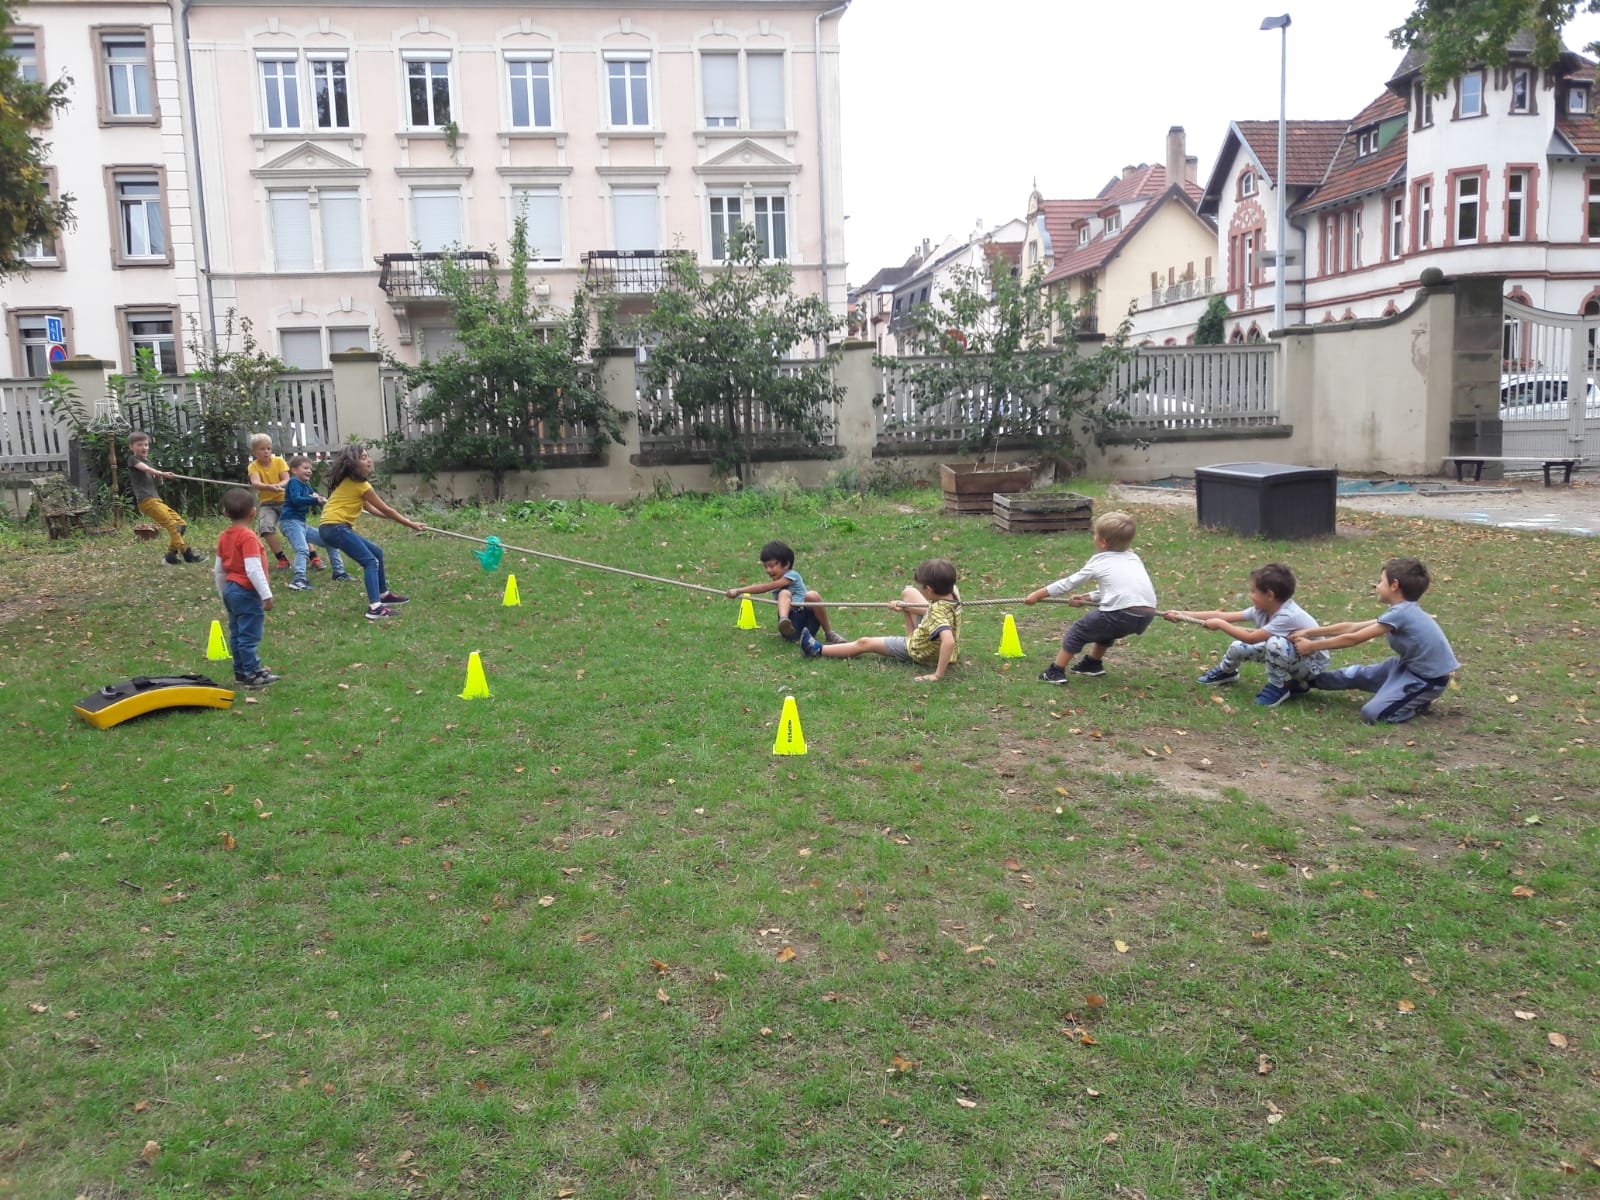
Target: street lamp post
{"points": [[1280, 258]]}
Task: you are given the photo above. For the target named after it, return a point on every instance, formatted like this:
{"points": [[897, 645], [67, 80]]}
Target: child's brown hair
{"points": [[1115, 529], [1410, 575], [238, 504], [1276, 579]]}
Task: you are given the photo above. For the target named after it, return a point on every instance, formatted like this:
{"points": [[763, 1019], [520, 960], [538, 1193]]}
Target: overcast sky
{"points": [[952, 109]]}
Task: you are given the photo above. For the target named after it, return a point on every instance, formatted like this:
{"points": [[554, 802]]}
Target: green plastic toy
{"points": [[491, 554]]}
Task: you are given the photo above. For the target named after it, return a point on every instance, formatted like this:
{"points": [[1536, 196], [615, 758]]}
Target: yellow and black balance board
{"points": [[118, 702]]}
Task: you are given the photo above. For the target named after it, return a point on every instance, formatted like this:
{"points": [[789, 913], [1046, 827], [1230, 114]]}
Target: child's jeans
{"points": [[368, 554], [299, 534], [246, 620], [1400, 694], [1284, 666], [168, 520]]}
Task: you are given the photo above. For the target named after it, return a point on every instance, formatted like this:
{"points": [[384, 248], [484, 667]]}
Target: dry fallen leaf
{"points": [[1110, 1139], [546, 901], [787, 954], [1523, 1014], [965, 1103], [1406, 1006], [148, 1154], [1094, 1001], [1558, 1040], [661, 995], [661, 967], [1263, 1065], [1013, 865], [1122, 947], [899, 1064], [1523, 890]]}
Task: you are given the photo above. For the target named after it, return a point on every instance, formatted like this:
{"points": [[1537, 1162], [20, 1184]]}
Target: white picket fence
{"points": [[32, 440]]}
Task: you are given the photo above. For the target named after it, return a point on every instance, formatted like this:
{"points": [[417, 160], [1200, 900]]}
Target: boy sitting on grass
{"points": [[1420, 671], [799, 609], [932, 611], [1273, 616]]}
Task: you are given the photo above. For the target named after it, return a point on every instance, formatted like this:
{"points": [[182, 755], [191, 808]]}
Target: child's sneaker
{"points": [[809, 646], [283, 563], [316, 563], [786, 627], [1272, 695], [171, 558], [342, 577], [394, 598], [379, 613], [1298, 687], [1053, 674], [192, 557], [1217, 675], [262, 678], [1088, 666], [299, 584], [835, 638]]}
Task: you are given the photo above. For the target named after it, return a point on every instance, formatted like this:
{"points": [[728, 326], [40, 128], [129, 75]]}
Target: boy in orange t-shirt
{"points": [[242, 583]]}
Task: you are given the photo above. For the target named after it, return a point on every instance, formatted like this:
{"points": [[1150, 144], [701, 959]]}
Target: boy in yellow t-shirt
{"points": [[268, 474], [932, 611]]}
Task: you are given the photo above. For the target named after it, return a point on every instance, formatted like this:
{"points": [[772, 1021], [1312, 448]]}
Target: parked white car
{"points": [[1542, 397]]}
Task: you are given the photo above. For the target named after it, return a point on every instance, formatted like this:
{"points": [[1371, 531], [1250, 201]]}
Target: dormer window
{"points": [[1114, 222], [1247, 184], [1083, 236], [1366, 142], [1469, 95], [1578, 100]]}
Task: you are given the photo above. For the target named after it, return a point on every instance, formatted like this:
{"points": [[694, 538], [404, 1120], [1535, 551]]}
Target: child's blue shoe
{"points": [[809, 646], [1217, 675], [1272, 695]]}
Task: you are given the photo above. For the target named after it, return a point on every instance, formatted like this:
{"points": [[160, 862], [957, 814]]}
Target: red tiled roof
{"points": [[1098, 251], [1388, 104], [1145, 181], [1309, 145], [1059, 218], [1581, 129], [1350, 176], [1010, 251]]}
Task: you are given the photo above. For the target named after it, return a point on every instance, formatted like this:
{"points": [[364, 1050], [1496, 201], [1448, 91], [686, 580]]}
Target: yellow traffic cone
{"points": [[216, 644], [790, 740], [747, 615], [513, 599], [1010, 645], [477, 686]]}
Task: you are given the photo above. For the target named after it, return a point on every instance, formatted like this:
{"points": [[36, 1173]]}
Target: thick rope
{"points": [[700, 587], [219, 482]]}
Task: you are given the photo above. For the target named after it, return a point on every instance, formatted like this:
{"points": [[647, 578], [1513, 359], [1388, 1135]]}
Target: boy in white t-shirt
{"points": [[1273, 616], [1123, 596]]}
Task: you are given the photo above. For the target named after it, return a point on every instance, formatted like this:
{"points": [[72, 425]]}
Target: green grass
{"points": [[512, 947]]}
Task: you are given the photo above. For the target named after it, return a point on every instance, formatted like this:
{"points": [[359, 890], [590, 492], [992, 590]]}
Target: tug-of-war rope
{"points": [[494, 549]]}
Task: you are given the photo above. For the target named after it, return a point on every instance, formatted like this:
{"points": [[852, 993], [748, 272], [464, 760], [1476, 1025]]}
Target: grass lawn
{"points": [[358, 937]]}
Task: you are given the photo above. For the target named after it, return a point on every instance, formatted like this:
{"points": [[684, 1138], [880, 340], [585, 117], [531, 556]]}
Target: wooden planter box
{"points": [[1042, 512], [970, 487]]}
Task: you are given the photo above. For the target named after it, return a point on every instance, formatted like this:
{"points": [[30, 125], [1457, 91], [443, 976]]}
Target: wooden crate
{"points": [[970, 488], [1042, 512]]}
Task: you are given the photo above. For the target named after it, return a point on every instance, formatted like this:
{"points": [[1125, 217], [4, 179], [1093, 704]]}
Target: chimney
{"points": [[1127, 171], [1175, 156], [1191, 169]]}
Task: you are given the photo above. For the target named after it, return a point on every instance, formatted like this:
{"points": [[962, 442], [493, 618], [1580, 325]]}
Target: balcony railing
{"points": [[1184, 289], [415, 274], [629, 272]]}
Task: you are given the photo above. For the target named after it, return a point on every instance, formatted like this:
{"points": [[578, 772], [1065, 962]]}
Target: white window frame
{"points": [[335, 65], [27, 58], [1578, 100], [1477, 78], [428, 61], [163, 346], [1424, 107], [1247, 184], [33, 345], [769, 211], [1424, 216], [1517, 196], [621, 64], [1397, 226], [528, 61], [725, 209], [1464, 204], [520, 193], [783, 89], [1083, 236], [283, 85], [1522, 76], [144, 213], [131, 71], [1114, 222]]}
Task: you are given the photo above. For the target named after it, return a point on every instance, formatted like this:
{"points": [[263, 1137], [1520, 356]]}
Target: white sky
{"points": [[952, 108]]}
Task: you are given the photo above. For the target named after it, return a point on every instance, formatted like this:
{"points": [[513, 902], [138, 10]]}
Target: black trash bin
{"points": [[1266, 499]]}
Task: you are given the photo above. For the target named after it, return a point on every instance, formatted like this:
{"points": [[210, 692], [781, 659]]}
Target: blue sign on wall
{"points": [[55, 330]]}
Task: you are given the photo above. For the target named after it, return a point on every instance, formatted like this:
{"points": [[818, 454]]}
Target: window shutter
{"points": [[720, 77], [341, 229], [301, 349], [634, 210], [542, 208], [766, 91], [291, 231], [438, 217]]}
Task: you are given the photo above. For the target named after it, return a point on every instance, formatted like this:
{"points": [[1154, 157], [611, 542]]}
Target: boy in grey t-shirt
{"points": [[1273, 616], [1420, 671]]}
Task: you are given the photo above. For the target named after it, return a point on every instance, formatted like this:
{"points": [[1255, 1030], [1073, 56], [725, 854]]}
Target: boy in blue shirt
{"points": [[799, 610], [1420, 671], [297, 501]]}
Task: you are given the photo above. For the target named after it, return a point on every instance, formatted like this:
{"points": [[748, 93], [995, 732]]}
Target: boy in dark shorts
{"points": [[1123, 596], [799, 610]]}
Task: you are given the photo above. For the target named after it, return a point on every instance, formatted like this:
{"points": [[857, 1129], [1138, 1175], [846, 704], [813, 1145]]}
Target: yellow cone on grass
{"points": [[747, 615], [513, 597], [791, 739], [1010, 645], [477, 686], [216, 644]]}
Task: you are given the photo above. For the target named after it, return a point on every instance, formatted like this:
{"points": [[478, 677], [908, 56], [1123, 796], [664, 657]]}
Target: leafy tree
{"points": [[717, 342], [1212, 328], [987, 364], [524, 372], [1458, 35], [27, 211]]}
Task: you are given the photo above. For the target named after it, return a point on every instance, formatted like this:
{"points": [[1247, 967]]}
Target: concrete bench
{"points": [[1476, 461]]}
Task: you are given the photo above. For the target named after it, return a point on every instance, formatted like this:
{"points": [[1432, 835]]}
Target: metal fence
{"points": [[559, 439], [1549, 397]]}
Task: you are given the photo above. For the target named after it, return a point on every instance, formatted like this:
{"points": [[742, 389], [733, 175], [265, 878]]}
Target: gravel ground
{"points": [[1521, 503]]}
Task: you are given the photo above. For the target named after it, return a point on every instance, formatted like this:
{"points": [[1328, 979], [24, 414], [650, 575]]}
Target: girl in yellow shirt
{"points": [[351, 495]]}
